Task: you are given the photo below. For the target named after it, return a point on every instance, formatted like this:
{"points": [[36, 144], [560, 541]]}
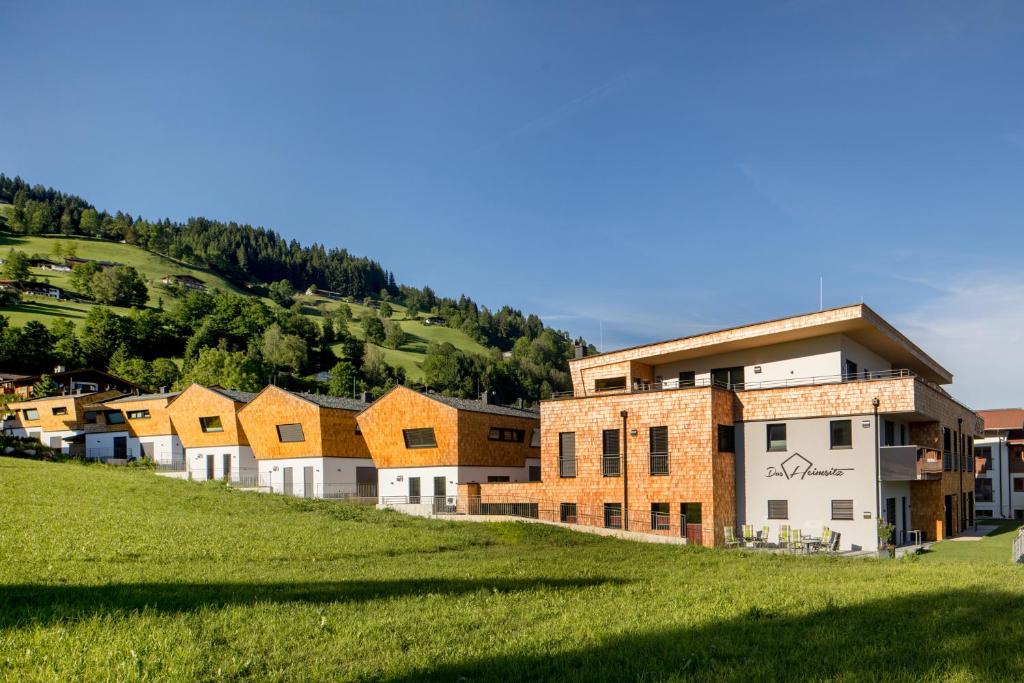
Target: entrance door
{"points": [[890, 517], [226, 462], [690, 523], [366, 482], [121, 447], [209, 466], [948, 530], [440, 491], [286, 481], [905, 526], [307, 482], [414, 490]]}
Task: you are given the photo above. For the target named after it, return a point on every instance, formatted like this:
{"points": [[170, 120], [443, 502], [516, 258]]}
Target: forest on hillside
{"points": [[241, 342]]}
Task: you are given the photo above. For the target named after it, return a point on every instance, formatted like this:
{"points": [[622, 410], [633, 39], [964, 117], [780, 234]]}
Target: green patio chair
{"points": [[748, 535], [826, 538], [765, 530], [784, 536], [730, 538], [796, 541], [833, 546]]}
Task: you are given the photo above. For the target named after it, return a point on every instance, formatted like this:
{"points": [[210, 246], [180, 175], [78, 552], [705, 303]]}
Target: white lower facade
{"points": [[319, 477], [994, 487], [163, 449], [54, 440], [427, 490], [233, 463]]}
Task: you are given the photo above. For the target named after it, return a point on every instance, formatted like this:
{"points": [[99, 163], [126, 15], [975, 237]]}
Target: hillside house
{"points": [[135, 426], [214, 442], [187, 281], [56, 421]]}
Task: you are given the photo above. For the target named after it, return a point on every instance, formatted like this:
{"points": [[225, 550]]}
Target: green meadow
{"points": [[119, 574]]}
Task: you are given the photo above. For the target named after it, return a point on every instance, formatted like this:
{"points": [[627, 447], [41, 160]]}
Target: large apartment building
{"points": [[999, 460], [832, 418]]}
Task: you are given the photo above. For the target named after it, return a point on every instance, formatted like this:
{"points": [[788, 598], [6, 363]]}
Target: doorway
{"points": [[414, 490], [307, 482], [440, 491], [690, 523], [287, 484], [121, 447], [890, 516], [209, 466], [226, 466], [948, 527]]}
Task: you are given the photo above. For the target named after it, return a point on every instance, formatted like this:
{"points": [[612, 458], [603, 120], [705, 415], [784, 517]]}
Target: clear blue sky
{"points": [[665, 168]]}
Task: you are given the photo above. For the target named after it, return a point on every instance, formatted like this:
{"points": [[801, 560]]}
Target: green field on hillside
{"points": [[118, 574], [153, 267]]}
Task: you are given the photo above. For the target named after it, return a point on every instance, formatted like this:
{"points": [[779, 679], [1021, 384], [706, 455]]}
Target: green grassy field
{"points": [[118, 574]]}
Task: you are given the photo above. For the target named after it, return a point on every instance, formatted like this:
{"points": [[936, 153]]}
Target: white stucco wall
{"points": [[100, 446], [394, 481], [243, 463], [863, 357], [331, 477], [1000, 477], [46, 437], [165, 449], [841, 474]]}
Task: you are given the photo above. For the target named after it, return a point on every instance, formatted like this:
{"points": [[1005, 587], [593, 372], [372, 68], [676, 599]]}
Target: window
{"points": [[985, 453], [60, 410], [842, 509], [90, 417], [850, 370], [567, 454], [1018, 484], [776, 437], [114, 417], [290, 433], [414, 490], [903, 435], [613, 515], [841, 434], [947, 449], [726, 439], [659, 450], [727, 377], [687, 378], [534, 473], [567, 513], [778, 509], [983, 490], [535, 439], [659, 516], [421, 437], [138, 414], [31, 414], [610, 453], [211, 424], [507, 435], [610, 383], [497, 479], [889, 433]]}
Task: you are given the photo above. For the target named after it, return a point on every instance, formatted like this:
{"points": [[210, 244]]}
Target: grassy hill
{"points": [[153, 267], [117, 574]]}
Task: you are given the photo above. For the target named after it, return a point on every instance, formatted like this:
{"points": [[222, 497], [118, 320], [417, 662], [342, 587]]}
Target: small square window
{"points": [[726, 439], [842, 509], [211, 424], [1018, 484], [776, 437], [114, 417], [290, 433], [778, 509], [31, 414], [60, 410], [567, 513], [613, 515], [841, 434], [421, 437]]}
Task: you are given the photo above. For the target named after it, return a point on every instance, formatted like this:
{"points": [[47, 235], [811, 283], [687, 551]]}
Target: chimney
{"points": [[486, 398], [579, 351], [365, 397], [163, 389]]}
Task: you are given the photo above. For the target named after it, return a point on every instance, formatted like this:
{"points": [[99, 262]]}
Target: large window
{"points": [[31, 414], [842, 509], [421, 437], [776, 437], [726, 439], [659, 516], [114, 417], [567, 513], [533, 473], [687, 378], [728, 377], [211, 424], [985, 453], [983, 490], [290, 433], [778, 509], [1018, 484], [567, 454], [659, 450], [610, 460], [613, 515], [850, 370], [840, 434], [889, 433], [610, 383], [507, 435]]}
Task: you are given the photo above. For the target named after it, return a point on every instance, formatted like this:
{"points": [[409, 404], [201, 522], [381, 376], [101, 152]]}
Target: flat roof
{"points": [[1003, 418], [858, 322]]}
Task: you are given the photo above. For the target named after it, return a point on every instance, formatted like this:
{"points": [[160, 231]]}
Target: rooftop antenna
{"points": [[600, 324], [821, 293]]}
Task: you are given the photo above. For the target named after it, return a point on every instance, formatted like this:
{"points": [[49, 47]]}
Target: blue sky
{"points": [[663, 168]]}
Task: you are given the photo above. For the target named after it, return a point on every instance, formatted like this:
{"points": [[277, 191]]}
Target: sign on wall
{"points": [[798, 467]]}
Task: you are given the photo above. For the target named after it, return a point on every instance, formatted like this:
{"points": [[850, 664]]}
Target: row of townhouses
{"points": [[832, 418]]}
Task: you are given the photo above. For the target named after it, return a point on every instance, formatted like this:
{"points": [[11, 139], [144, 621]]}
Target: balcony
{"points": [[909, 463], [611, 465]]}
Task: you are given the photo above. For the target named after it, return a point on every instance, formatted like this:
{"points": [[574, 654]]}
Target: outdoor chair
{"points": [[748, 535], [730, 538], [833, 546], [796, 541], [826, 538], [784, 536], [764, 536]]}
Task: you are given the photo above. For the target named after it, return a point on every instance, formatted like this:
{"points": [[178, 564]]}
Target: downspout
{"points": [[878, 471], [625, 472]]}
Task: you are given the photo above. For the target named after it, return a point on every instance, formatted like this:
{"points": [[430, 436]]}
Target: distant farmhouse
{"points": [[47, 264], [313, 290], [35, 288], [84, 380], [435, 320], [186, 281]]}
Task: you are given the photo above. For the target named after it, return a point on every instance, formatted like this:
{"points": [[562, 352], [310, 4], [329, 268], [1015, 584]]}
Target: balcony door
{"points": [[727, 377]]}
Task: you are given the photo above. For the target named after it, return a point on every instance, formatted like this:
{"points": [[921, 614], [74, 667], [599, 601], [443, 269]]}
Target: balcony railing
{"points": [[659, 463], [611, 465], [642, 387]]}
